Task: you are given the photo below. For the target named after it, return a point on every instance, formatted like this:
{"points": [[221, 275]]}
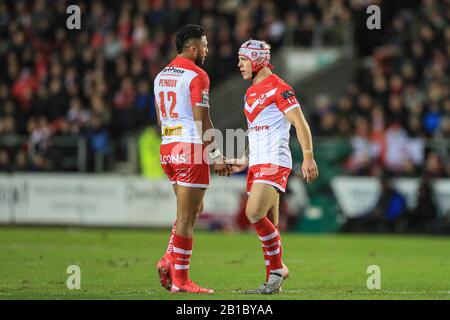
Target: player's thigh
{"points": [[262, 198], [189, 200], [175, 188]]}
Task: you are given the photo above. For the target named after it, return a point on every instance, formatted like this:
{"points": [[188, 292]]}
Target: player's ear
{"points": [[195, 49]]}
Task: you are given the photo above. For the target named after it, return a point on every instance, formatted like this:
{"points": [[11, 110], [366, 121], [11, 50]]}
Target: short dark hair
{"points": [[186, 33]]}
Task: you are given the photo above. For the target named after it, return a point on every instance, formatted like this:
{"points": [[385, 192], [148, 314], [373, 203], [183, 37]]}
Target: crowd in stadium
{"points": [[96, 82], [399, 103]]}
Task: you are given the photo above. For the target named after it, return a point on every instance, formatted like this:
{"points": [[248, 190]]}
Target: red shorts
{"points": [[184, 164], [268, 173]]}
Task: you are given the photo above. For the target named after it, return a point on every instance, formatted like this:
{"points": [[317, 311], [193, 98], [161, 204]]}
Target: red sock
{"points": [[267, 263], [270, 240], [266, 257], [170, 245], [181, 254], [281, 247]]}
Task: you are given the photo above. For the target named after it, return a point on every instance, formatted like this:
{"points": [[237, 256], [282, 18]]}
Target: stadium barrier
{"points": [[356, 196], [132, 201], [114, 200], [106, 200]]}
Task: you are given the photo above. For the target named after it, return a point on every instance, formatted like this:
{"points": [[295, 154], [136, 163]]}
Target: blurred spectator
{"points": [[390, 208], [145, 104], [396, 149], [5, 163], [365, 151], [422, 217], [387, 214], [406, 83], [106, 69], [98, 140], [432, 119], [40, 136], [323, 120], [77, 118], [434, 167], [39, 163], [21, 163]]}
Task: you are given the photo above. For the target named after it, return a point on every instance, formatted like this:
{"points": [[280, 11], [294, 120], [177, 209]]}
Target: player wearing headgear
{"points": [[270, 107], [182, 101]]}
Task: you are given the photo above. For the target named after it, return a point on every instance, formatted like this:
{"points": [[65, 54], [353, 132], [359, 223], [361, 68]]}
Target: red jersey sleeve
{"points": [[199, 89], [285, 99]]}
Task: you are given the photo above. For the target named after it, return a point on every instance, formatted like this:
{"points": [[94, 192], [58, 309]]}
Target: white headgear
{"points": [[258, 52]]}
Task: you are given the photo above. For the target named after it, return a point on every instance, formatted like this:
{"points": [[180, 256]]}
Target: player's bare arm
{"points": [[309, 167], [204, 124]]}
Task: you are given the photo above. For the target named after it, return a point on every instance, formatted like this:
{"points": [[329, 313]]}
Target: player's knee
{"points": [[253, 215]]}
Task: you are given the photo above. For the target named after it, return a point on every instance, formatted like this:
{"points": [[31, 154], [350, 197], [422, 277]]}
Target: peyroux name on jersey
{"points": [[178, 88], [167, 83]]}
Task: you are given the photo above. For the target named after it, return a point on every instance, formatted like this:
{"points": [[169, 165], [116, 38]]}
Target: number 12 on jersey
{"points": [[172, 99]]}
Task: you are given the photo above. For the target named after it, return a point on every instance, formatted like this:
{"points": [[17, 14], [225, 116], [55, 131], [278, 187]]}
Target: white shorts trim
{"points": [[271, 183], [192, 185]]}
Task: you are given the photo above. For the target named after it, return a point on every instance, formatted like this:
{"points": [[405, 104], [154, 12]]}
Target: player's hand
{"points": [[237, 165], [309, 170], [220, 167]]}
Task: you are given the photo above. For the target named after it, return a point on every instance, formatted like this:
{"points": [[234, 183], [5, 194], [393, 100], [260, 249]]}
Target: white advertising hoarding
{"points": [[112, 200], [72, 199], [104, 200], [357, 196]]}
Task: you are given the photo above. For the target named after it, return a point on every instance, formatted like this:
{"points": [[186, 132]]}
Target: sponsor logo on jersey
{"points": [[172, 131], [170, 158], [172, 71], [260, 128]]}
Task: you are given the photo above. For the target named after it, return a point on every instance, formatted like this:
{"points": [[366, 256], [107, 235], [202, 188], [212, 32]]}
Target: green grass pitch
{"points": [[120, 264]]}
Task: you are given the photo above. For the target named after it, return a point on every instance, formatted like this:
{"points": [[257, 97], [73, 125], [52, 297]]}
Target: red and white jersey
{"points": [[178, 87], [266, 103]]}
